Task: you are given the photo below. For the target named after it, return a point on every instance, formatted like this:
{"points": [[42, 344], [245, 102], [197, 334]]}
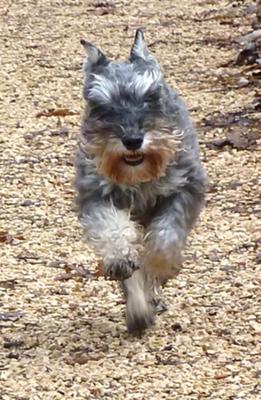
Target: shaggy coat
{"points": [[140, 182]]}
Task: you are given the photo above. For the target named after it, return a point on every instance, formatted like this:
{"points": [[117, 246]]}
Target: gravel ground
{"points": [[63, 334]]}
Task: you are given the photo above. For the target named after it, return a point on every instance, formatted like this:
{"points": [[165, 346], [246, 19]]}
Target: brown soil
{"points": [[63, 334]]}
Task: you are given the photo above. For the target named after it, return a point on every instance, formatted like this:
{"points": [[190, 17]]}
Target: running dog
{"points": [[140, 181]]}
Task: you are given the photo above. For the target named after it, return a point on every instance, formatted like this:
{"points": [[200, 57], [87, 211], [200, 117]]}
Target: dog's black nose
{"points": [[132, 143]]}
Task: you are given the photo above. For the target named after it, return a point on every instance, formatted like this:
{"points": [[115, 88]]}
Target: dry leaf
{"points": [[4, 237], [8, 284], [59, 112]]}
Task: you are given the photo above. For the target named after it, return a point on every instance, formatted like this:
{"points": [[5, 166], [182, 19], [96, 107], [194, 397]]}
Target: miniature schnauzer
{"points": [[140, 182]]}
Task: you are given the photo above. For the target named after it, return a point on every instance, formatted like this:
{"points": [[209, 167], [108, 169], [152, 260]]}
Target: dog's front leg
{"points": [[114, 237], [167, 231]]}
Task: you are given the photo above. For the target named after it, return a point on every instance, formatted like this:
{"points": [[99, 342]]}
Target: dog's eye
{"points": [[99, 111], [95, 106], [141, 123], [152, 97]]}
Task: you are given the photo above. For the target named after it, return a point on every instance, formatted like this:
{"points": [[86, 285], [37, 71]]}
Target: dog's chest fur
{"points": [[143, 198]]}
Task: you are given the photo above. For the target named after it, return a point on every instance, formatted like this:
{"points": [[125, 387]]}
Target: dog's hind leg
{"points": [[139, 307], [143, 300]]}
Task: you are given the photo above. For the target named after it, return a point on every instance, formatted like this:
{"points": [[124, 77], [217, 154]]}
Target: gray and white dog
{"points": [[139, 178]]}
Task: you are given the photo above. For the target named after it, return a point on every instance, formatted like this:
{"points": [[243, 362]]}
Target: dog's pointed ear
{"points": [[139, 49], [95, 56]]}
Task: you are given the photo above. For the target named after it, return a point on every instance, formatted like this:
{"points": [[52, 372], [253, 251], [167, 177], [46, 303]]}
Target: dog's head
{"points": [[126, 128]]}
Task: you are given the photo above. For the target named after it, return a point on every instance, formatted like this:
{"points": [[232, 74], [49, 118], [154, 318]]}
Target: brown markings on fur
{"points": [[153, 167], [110, 153], [157, 263]]}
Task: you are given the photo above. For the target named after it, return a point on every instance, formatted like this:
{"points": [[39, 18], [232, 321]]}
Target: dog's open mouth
{"points": [[133, 159]]}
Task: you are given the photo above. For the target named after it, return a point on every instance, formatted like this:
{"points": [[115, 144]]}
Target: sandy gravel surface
{"points": [[63, 334]]}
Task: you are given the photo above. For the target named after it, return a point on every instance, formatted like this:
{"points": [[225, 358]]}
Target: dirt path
{"points": [[62, 330]]}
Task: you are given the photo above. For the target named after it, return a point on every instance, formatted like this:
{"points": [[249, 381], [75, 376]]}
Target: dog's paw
{"points": [[120, 269], [159, 305], [139, 322]]}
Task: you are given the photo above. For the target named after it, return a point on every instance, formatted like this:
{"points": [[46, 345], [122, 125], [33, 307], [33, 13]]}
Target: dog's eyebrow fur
{"points": [[103, 88], [142, 83]]}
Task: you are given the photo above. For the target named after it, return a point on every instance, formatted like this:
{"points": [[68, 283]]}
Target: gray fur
{"points": [[144, 225]]}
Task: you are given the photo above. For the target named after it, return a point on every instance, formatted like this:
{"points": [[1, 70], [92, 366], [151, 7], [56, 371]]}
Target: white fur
{"points": [[111, 232], [102, 89], [142, 83]]}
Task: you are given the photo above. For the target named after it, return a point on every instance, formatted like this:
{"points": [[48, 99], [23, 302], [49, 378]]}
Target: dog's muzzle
{"points": [[133, 143]]}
